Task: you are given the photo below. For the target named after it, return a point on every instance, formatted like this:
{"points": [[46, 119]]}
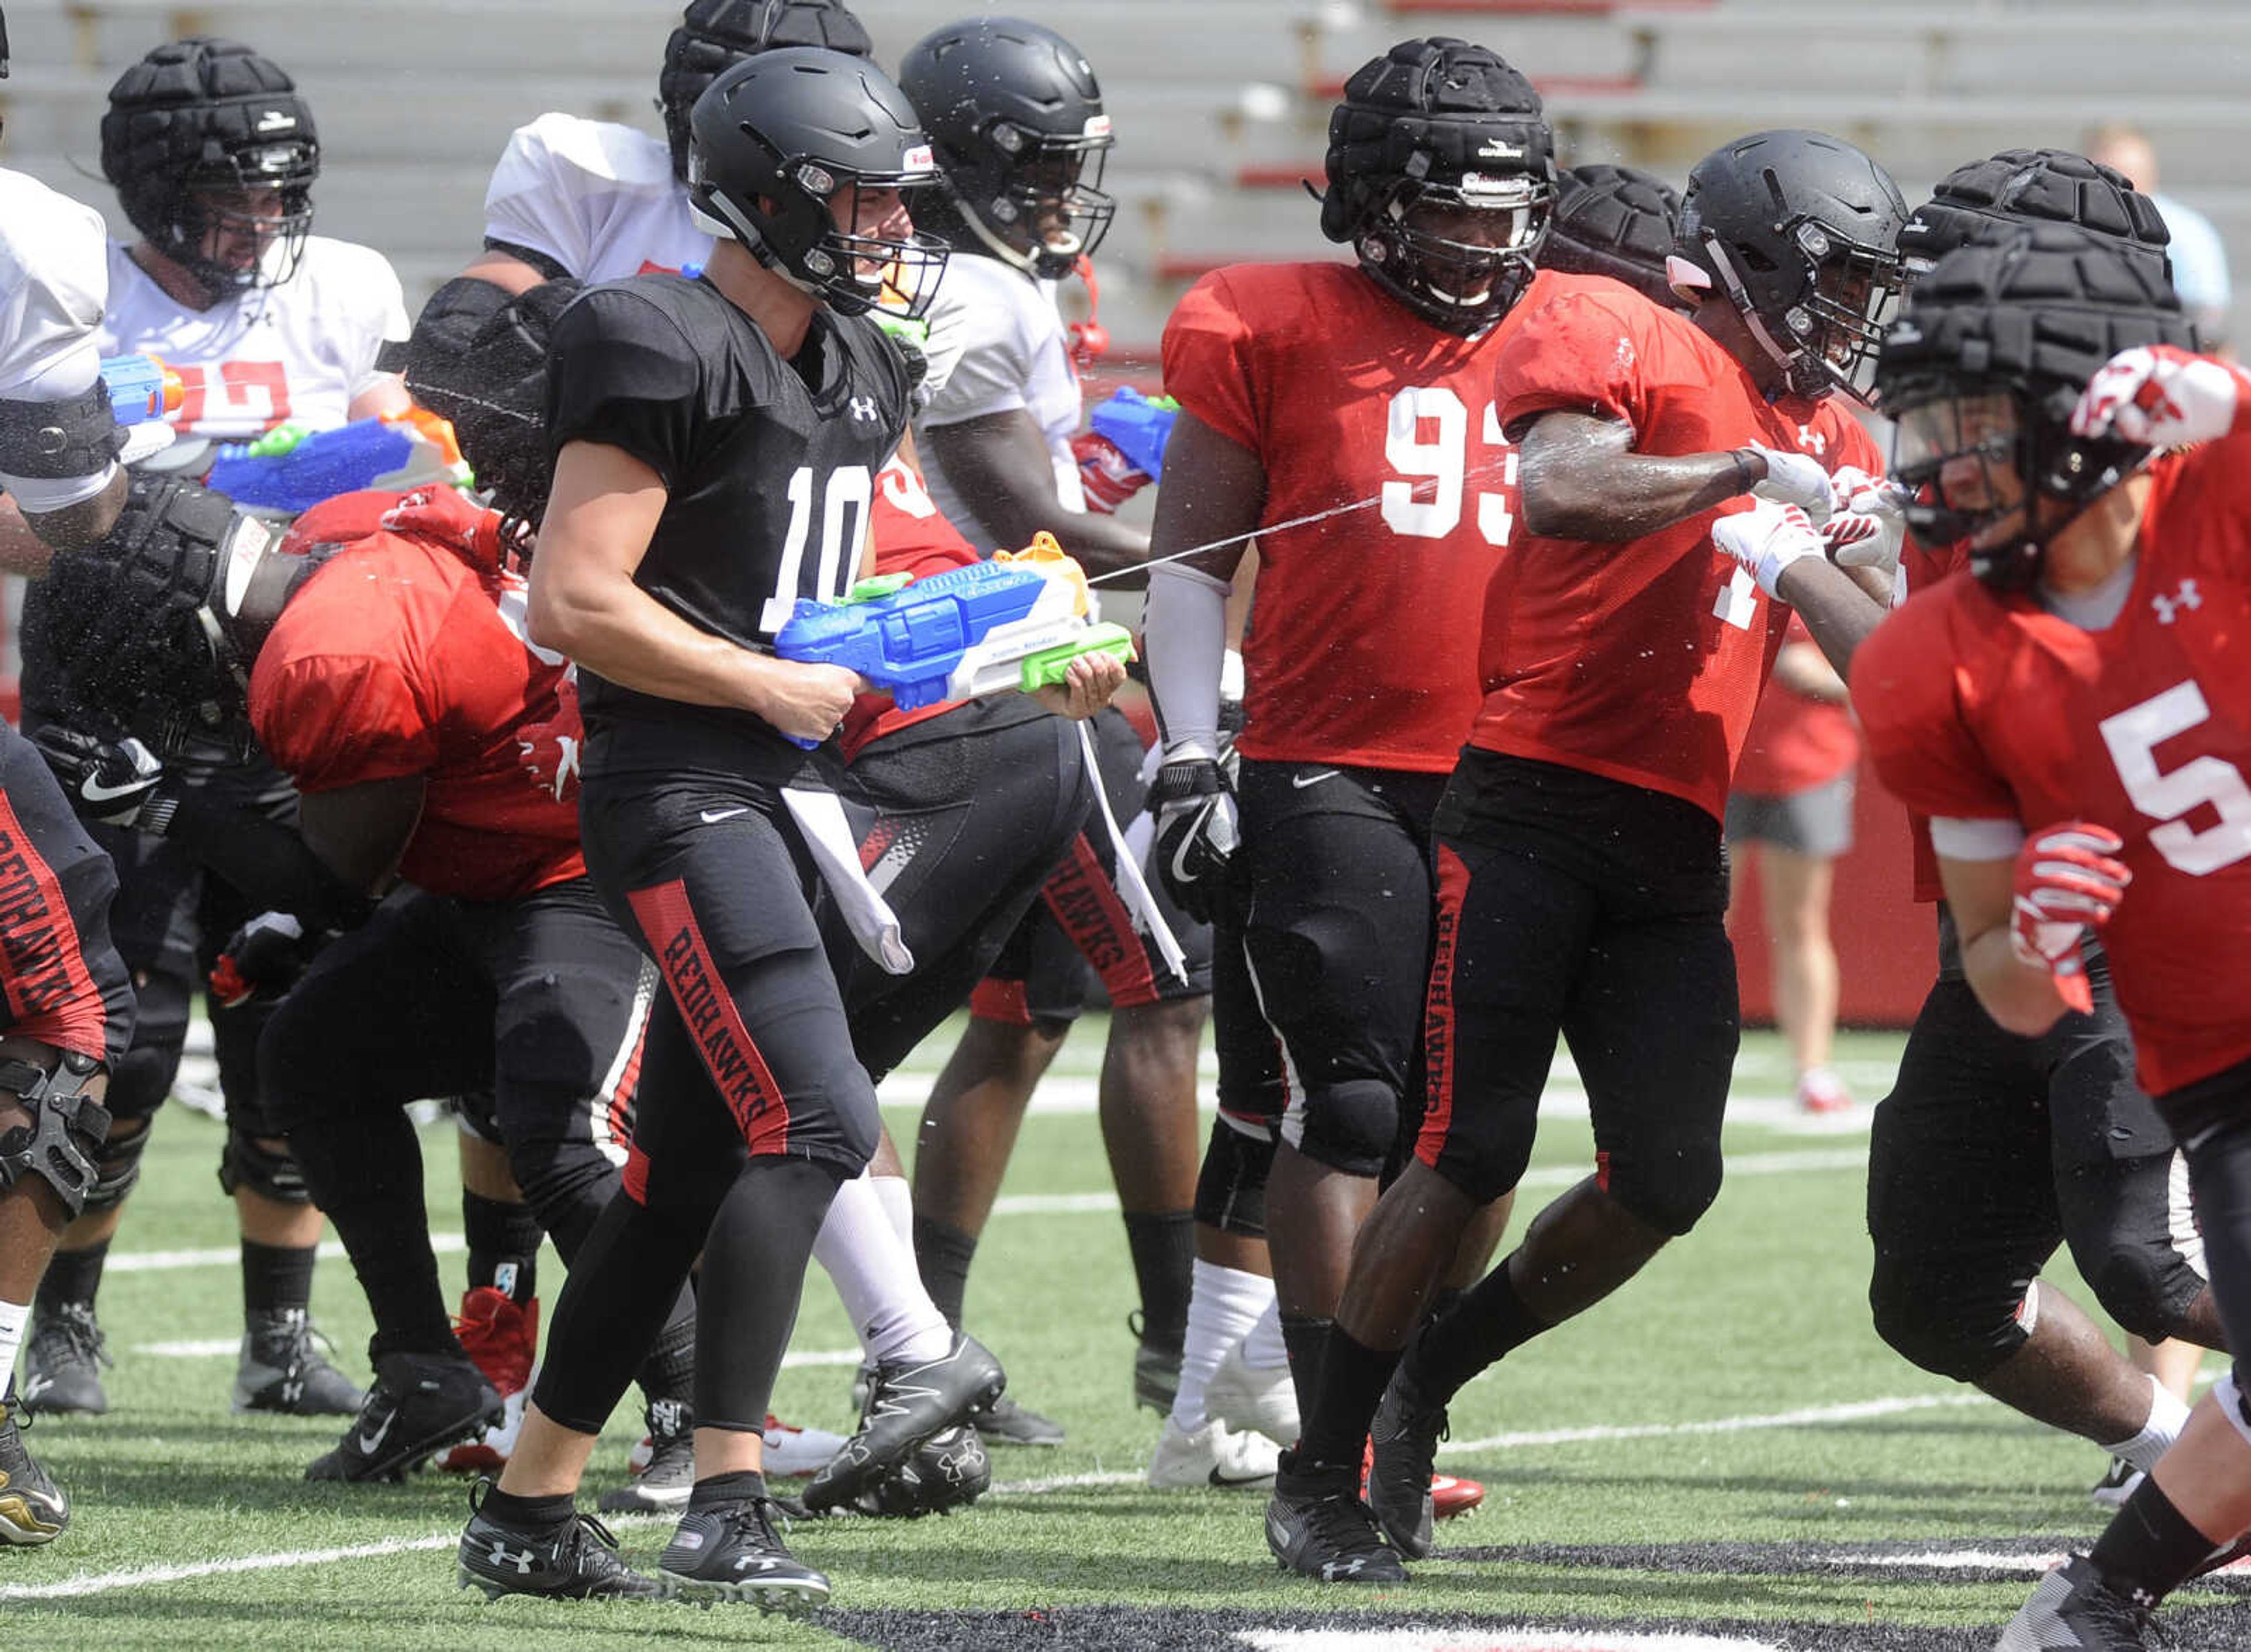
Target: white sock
{"points": [[14, 1316], [2168, 1416], [1264, 1349], [1224, 1304], [898, 1204], [874, 1271]]}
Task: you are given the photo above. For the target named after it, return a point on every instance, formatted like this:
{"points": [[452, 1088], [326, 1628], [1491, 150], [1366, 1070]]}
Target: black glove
{"points": [[263, 959], [1196, 834], [106, 780]]}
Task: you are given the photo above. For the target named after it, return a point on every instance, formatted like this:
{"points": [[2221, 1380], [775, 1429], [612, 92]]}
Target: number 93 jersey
{"points": [[769, 466], [1978, 706], [1363, 639]]}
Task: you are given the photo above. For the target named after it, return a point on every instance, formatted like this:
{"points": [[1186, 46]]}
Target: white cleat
{"points": [[1212, 1455], [1252, 1401]]}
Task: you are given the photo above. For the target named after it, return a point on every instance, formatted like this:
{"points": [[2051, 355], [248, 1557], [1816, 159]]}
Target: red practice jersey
{"points": [[1983, 707], [1640, 660], [406, 655], [1364, 634], [1796, 742]]}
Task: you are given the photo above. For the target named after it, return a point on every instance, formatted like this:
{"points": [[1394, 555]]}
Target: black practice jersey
{"points": [[769, 464]]}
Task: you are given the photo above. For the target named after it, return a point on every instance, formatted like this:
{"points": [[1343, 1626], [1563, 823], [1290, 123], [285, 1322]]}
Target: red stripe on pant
{"points": [[1438, 1026], [738, 1072], [1001, 1001], [51, 997], [1086, 903]]}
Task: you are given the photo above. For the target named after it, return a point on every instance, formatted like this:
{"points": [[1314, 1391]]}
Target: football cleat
{"points": [[2073, 1609], [64, 1361], [1452, 1496], [2118, 1483], [1250, 1400], [281, 1369], [1402, 1453], [1319, 1528], [907, 1406], [1156, 1370], [661, 1477], [732, 1553], [501, 1337], [420, 1403], [1006, 1423], [1819, 1090], [947, 1471], [32, 1509], [579, 1563], [1212, 1455]]}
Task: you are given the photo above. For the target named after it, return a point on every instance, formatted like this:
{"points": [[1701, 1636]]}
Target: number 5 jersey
{"points": [[1977, 706]]}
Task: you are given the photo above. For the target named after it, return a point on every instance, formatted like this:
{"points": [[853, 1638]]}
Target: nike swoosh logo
{"points": [[713, 816], [94, 792], [1300, 782], [372, 1443], [1221, 1480]]}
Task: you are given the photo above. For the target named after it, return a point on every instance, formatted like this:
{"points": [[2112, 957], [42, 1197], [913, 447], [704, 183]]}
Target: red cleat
{"points": [[1452, 1495], [502, 1341]]}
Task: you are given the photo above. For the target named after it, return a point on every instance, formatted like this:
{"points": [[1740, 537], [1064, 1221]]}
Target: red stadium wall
{"points": [[1886, 946]]}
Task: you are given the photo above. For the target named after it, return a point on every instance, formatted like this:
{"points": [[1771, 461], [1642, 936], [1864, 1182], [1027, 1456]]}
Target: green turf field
{"points": [[1724, 1448]]}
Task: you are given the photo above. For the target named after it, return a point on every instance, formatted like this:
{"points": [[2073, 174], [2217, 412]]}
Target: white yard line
{"points": [[104, 1582]]}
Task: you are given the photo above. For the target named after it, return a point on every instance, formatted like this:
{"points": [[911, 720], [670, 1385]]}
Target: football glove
{"points": [[1196, 834], [548, 753], [1106, 476], [1868, 520], [263, 959], [2159, 396], [1766, 540], [1793, 479], [106, 780], [2067, 883]]}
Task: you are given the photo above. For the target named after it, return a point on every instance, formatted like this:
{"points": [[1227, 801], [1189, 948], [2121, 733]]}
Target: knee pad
{"points": [[1232, 1187], [117, 1169], [1347, 1127], [1930, 1316], [2144, 1287], [1670, 1191], [248, 1162], [143, 1075], [63, 1142]]}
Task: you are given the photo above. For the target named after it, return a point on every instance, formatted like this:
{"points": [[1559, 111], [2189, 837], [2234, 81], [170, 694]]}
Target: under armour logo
{"points": [[2168, 606], [520, 1558], [1812, 439], [863, 407]]}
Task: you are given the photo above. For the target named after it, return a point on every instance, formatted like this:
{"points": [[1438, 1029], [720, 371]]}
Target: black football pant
{"points": [[2212, 1119]]}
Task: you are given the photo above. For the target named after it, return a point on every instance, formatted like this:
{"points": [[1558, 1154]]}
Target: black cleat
{"points": [[64, 1362], [420, 1403], [732, 1553], [1318, 1527], [662, 1487], [907, 1406], [1405, 1435], [1156, 1368], [32, 1508], [947, 1471], [2074, 1608], [579, 1563], [1006, 1423], [279, 1369]]}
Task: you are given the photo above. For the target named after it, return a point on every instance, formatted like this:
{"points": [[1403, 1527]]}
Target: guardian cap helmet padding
{"points": [[494, 392], [714, 34], [2022, 317], [201, 117], [1614, 221], [1800, 231], [779, 139], [1015, 115], [2030, 186]]}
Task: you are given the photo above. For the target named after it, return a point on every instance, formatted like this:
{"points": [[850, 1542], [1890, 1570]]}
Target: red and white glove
{"points": [[1106, 476], [1766, 540], [548, 751], [1867, 521], [1793, 479], [2067, 883], [2160, 396]]}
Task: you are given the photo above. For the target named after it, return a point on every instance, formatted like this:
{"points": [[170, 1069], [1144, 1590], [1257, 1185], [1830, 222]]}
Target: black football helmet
{"points": [[1015, 115], [1440, 127], [1800, 231], [201, 119], [784, 146], [2030, 186], [713, 34], [1983, 369], [1615, 221]]}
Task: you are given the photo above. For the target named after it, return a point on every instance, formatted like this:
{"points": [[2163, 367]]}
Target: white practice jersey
{"points": [[597, 197], [997, 344], [53, 279], [298, 353]]}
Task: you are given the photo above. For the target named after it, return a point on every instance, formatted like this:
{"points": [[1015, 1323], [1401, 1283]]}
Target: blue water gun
{"points": [[1015, 621], [1123, 450], [141, 388], [289, 470]]}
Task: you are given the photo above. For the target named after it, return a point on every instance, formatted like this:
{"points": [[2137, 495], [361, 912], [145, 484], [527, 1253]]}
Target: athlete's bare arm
{"points": [[361, 832], [1835, 607], [1213, 494], [2020, 997], [1581, 479], [28, 541], [1001, 466]]}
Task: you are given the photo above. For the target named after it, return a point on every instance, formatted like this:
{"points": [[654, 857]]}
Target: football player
{"points": [[2070, 714], [214, 155], [1992, 1148], [689, 418], [1582, 885], [1304, 386], [1615, 221], [68, 999], [1017, 125]]}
